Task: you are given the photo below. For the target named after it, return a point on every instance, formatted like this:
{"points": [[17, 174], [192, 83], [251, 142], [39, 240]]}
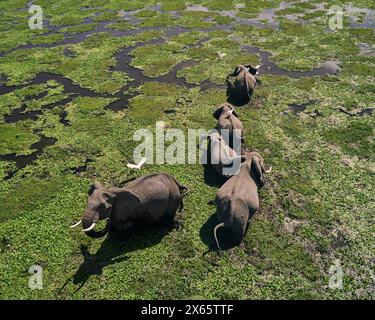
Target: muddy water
{"points": [[366, 49], [269, 67], [361, 113], [43, 77], [298, 108], [63, 118], [266, 15], [123, 58], [80, 37], [68, 53], [269, 15], [22, 161], [102, 26], [196, 7], [368, 20], [20, 114], [170, 111]]}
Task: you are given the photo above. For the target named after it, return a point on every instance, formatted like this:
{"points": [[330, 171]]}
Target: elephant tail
{"points": [[220, 225], [184, 190]]}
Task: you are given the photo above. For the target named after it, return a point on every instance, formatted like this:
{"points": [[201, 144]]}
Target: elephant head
{"points": [[220, 151], [99, 207], [245, 68], [256, 166], [241, 83], [253, 70], [240, 68], [225, 107]]}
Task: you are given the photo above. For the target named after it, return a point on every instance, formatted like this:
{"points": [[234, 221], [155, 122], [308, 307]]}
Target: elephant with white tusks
{"points": [[241, 84], [145, 200], [237, 200]]}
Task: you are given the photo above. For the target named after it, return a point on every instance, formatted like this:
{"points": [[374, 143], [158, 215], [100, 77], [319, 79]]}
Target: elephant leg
{"points": [[123, 226], [122, 231], [247, 226], [181, 206], [169, 218], [211, 202], [169, 222]]}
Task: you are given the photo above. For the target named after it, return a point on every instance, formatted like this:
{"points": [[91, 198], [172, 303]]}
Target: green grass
{"points": [[317, 204]]}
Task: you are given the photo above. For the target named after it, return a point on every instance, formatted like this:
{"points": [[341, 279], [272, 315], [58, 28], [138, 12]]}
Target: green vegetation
{"points": [[16, 138], [317, 204]]}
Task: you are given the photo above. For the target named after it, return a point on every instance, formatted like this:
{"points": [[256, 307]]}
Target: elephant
{"points": [[241, 84], [145, 200], [237, 200], [228, 120], [224, 160]]}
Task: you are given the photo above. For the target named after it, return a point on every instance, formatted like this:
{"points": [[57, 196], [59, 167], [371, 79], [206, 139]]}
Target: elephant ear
{"points": [[252, 70], [256, 172], [218, 112], [250, 83], [96, 185], [130, 201], [108, 197], [234, 112], [236, 71]]}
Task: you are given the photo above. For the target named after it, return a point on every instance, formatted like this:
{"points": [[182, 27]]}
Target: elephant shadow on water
{"points": [[112, 250], [227, 238]]}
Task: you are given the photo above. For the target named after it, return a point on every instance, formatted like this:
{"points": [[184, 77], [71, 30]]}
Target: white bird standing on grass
{"points": [[137, 166], [221, 54]]}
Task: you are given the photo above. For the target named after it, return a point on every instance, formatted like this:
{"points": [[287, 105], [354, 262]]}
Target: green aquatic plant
{"points": [[17, 139]]}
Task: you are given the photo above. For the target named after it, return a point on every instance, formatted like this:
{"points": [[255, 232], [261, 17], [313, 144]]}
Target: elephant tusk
{"points": [[89, 228], [76, 224], [269, 170]]}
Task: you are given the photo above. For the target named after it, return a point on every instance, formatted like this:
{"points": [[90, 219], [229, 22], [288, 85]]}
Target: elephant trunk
{"points": [[267, 170], [89, 221], [264, 169], [262, 163]]}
